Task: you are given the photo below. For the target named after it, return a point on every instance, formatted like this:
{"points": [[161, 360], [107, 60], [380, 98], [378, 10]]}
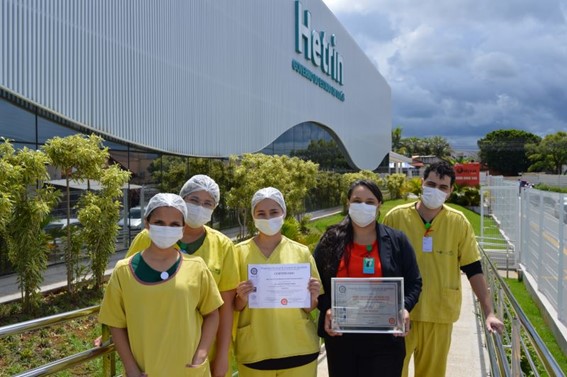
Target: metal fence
{"points": [[519, 351], [533, 222]]}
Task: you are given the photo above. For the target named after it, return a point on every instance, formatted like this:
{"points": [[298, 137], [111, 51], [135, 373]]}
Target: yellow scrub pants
{"points": [[429, 343], [307, 370]]}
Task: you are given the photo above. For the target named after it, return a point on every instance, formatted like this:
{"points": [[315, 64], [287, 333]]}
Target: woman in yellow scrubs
{"points": [[274, 342], [161, 305]]}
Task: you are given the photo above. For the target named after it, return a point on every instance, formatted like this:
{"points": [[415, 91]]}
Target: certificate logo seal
{"points": [[392, 321], [253, 270], [342, 289], [284, 301]]}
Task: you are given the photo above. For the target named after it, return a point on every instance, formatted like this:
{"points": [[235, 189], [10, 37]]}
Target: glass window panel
{"points": [[47, 129], [16, 123]]}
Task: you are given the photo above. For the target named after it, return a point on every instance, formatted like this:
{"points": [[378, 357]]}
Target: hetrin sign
{"points": [[316, 47]]}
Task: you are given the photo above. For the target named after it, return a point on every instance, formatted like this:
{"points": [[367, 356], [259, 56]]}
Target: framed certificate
{"points": [[367, 305]]}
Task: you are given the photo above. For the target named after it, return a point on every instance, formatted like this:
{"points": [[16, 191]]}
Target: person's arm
{"points": [[480, 289], [242, 291], [208, 332], [224, 334], [122, 344]]}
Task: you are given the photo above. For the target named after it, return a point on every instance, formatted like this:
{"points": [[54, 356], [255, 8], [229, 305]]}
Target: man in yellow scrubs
{"points": [[445, 245]]}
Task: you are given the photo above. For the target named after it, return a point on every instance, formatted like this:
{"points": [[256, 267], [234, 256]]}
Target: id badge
{"points": [[427, 245], [368, 266]]}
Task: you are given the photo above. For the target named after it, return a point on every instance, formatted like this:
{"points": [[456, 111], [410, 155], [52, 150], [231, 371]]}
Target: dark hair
{"points": [[337, 238], [373, 187], [443, 169]]}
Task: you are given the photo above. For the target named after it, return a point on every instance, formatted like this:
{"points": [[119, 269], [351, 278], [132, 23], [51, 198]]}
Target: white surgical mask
{"points": [[270, 226], [165, 236], [362, 214], [197, 216], [433, 198]]}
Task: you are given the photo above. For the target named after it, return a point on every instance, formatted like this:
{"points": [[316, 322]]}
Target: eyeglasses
{"points": [[209, 204]]}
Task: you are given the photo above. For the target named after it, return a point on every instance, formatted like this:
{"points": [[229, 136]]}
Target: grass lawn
{"points": [[533, 313]]}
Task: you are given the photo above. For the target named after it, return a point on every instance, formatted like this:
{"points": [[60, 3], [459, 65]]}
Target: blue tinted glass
{"points": [[47, 129], [16, 123]]}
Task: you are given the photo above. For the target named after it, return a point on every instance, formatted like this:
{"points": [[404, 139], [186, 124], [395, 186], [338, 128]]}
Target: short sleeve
{"points": [[141, 242], [230, 277], [469, 246], [112, 311], [210, 298]]}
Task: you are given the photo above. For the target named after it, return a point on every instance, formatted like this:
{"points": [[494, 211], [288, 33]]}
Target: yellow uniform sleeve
{"points": [[141, 242]]}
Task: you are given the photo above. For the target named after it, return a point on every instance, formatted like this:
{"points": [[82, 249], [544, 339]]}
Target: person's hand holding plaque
{"points": [[329, 324], [406, 319]]}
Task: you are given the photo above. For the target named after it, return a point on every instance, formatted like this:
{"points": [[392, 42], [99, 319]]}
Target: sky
{"points": [[463, 68]]}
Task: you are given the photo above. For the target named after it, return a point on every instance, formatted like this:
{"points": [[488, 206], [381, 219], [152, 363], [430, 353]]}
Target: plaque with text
{"points": [[367, 305]]}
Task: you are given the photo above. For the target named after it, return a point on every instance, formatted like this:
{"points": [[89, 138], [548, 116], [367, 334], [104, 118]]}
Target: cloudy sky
{"points": [[463, 68]]}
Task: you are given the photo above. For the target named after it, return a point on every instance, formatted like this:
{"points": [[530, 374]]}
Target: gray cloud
{"points": [[463, 68]]}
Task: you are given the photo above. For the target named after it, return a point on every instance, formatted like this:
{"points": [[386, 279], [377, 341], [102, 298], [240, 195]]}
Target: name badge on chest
{"points": [[368, 266], [427, 244]]}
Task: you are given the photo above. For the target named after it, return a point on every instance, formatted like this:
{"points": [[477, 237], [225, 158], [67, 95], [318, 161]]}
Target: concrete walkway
{"points": [[467, 356]]}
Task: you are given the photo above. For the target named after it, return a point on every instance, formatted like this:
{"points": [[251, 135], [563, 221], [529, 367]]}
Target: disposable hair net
{"points": [[166, 200], [268, 193], [201, 182]]}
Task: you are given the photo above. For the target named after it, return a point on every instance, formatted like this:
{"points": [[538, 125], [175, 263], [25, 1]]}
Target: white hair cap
{"points": [[201, 182], [268, 193], [166, 200]]}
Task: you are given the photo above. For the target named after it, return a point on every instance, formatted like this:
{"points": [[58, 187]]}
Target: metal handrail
{"points": [[513, 310], [18, 328], [106, 350]]}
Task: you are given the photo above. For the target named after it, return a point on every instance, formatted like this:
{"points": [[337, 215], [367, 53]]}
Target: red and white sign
{"points": [[467, 174]]}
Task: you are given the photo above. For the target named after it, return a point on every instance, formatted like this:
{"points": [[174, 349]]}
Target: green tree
{"points": [[549, 154], [173, 171], [504, 151], [397, 144], [325, 153], [30, 204], [396, 185], [349, 178], [78, 157], [439, 146], [327, 192], [291, 175], [99, 214]]}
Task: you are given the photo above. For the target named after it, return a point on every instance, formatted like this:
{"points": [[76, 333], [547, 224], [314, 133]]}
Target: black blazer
{"points": [[396, 256]]}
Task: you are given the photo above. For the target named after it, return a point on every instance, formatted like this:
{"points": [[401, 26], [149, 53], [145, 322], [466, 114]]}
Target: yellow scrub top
{"points": [[274, 333], [163, 319], [454, 246], [217, 251]]}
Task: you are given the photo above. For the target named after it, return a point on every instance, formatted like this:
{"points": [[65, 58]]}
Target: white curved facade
{"points": [[194, 77]]}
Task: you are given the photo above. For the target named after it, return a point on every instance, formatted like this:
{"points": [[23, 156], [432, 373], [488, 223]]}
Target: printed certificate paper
{"points": [[367, 305], [279, 285]]}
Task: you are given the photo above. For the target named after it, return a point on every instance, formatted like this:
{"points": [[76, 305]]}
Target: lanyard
{"points": [[427, 228]]}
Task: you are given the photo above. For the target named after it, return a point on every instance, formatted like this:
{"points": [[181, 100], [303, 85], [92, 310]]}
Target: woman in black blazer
{"points": [[361, 247]]}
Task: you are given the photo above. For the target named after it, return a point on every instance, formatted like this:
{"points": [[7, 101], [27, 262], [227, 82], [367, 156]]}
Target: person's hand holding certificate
{"points": [[279, 285]]}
